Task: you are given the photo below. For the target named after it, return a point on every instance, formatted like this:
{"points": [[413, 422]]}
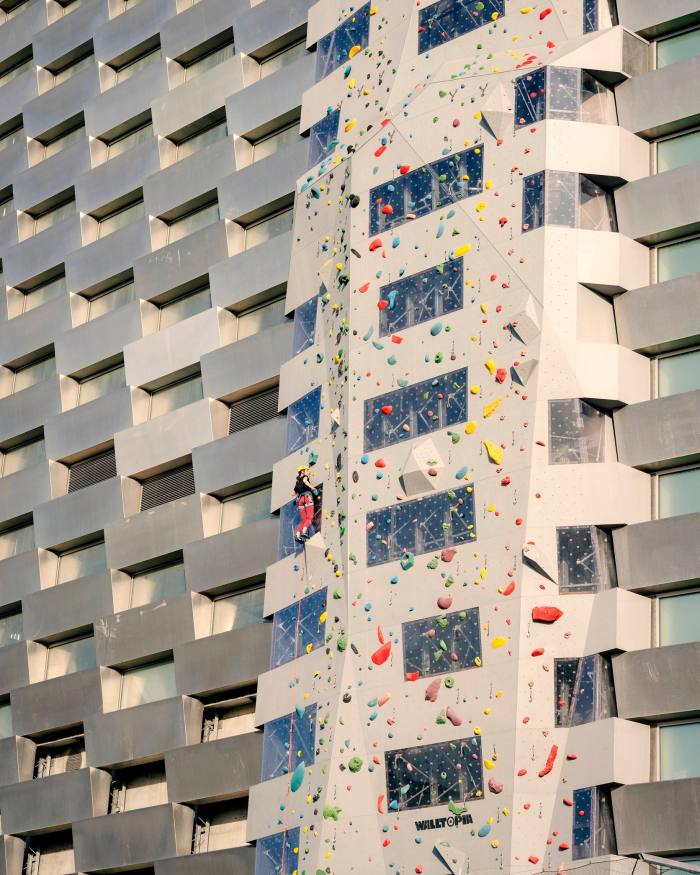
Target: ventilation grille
{"points": [[93, 470], [253, 410], [167, 487]]}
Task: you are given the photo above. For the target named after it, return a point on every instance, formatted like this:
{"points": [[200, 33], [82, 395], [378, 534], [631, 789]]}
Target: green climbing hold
{"points": [[331, 812], [355, 764]]}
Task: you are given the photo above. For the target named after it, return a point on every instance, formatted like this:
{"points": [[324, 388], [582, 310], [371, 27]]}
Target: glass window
{"points": [[446, 20], [30, 375], [110, 300], [193, 221], [101, 384], [208, 61], [62, 141], [289, 741], [11, 137], [596, 207], [73, 68], [148, 683], [303, 417], [576, 433], [238, 610], [679, 618], [531, 97], [7, 207], [679, 751], [304, 326], [6, 730], [533, 201], [82, 562], [138, 64], [562, 93], [593, 832], [423, 525], [268, 228], [677, 48], [569, 200], [434, 774], [213, 134], [333, 49], [679, 492], [242, 510], [228, 719], [323, 137], [277, 854], [272, 143], [16, 541], [678, 259], [684, 861], [11, 629], [416, 410], [128, 141], [678, 373], [677, 151], [287, 56], [583, 690], [436, 645], [585, 559], [299, 628], [16, 71], [157, 585], [67, 657], [421, 297], [176, 395], [119, 219], [23, 456], [54, 216], [259, 318], [220, 825], [290, 519], [182, 308]]}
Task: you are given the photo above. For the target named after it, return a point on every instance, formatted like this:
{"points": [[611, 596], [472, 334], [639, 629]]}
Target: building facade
{"points": [[445, 255]]}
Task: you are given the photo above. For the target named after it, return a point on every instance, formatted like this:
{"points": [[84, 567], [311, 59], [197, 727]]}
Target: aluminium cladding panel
{"points": [[14, 666], [93, 264], [67, 33], [659, 554], [266, 27], [19, 576], [17, 93], [214, 770], [126, 100], [662, 817], [660, 102], [9, 232], [52, 175], [71, 605], [142, 733], [661, 433], [132, 838], [223, 662], [123, 32], [239, 860], [34, 330], [16, 760], [661, 683], [21, 30], [51, 108], [55, 801], [30, 408], [660, 317], [21, 491], [56, 703], [252, 276], [661, 206], [194, 26], [35, 255], [108, 181], [650, 18], [247, 366], [13, 158]]}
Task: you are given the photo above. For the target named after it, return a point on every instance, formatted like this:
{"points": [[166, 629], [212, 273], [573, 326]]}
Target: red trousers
{"points": [[305, 504]]}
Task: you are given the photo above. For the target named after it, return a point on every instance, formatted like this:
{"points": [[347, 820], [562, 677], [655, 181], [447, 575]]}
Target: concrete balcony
{"points": [[22, 491], [648, 19], [658, 102], [131, 839], [27, 410], [54, 802], [214, 770], [247, 366], [661, 433], [660, 317], [252, 276], [50, 109], [68, 606], [191, 28], [21, 31], [223, 662], [52, 175], [68, 32], [661, 683], [123, 32], [16, 761], [259, 31], [34, 329], [56, 703], [662, 817], [238, 860], [236, 556], [89, 267], [140, 734], [126, 100], [110, 180], [658, 555], [43, 252], [19, 576]]}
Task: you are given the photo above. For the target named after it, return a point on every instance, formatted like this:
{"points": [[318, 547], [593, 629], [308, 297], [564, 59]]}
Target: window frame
{"points": [[132, 132], [271, 302], [676, 135], [668, 36], [290, 47], [113, 214], [658, 600], [673, 353], [145, 665], [87, 546], [261, 488], [209, 53], [663, 724], [95, 376], [73, 639], [219, 123], [267, 218], [104, 294], [656, 491], [118, 71], [12, 612], [180, 220], [667, 244], [278, 654], [154, 393], [26, 443], [172, 302], [25, 367]]}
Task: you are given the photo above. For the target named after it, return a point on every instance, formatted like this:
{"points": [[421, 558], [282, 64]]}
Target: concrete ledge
{"points": [[660, 317], [658, 684], [658, 555], [659, 818], [661, 433]]}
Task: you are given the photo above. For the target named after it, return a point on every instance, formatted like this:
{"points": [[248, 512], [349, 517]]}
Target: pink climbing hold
{"points": [[453, 717], [432, 690], [495, 786], [546, 614], [448, 554], [380, 804], [444, 602], [550, 761]]}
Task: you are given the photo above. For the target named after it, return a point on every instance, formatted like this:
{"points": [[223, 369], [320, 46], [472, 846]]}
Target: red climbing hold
{"points": [[403, 170], [533, 859], [448, 554], [380, 656], [538, 651], [510, 589], [364, 288], [380, 804], [387, 209], [380, 151], [382, 304], [544, 14], [375, 244], [412, 675], [550, 761], [380, 463], [501, 375], [546, 614]]}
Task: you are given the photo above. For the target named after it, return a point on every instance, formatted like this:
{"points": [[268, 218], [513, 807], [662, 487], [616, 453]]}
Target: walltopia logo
{"points": [[442, 822]]}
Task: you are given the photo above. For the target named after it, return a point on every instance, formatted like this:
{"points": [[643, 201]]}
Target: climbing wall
{"points": [[441, 337]]}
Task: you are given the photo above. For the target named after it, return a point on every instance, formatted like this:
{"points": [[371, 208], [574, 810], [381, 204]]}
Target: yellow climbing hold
{"points": [[470, 428], [495, 453], [525, 10], [490, 366], [498, 642], [494, 843], [353, 51], [477, 730], [350, 125], [462, 250], [488, 184], [477, 660], [474, 389], [481, 206], [484, 309], [323, 617], [494, 16], [489, 764], [373, 10], [351, 83], [498, 694], [492, 407]]}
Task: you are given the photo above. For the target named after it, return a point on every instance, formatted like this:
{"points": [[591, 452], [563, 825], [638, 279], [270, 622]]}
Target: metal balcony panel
{"points": [[19, 576], [14, 157], [56, 703], [67, 33], [126, 100], [21, 30], [194, 26], [662, 206], [659, 102], [252, 276], [67, 606], [110, 180], [27, 410], [127, 30], [660, 317], [674, 438], [90, 266], [238, 860], [143, 733], [34, 330], [661, 683], [64, 101], [52, 175], [649, 19], [9, 232], [55, 801], [236, 556], [658, 555], [266, 29], [41, 253], [133, 838], [662, 817], [14, 666], [16, 760], [248, 365], [21, 491], [223, 662], [88, 427], [15, 95]]}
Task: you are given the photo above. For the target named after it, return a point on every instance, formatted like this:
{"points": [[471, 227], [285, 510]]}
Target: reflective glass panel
{"points": [[303, 418], [54, 216], [148, 683], [678, 259], [304, 326], [70, 656], [561, 193], [576, 433], [299, 628], [596, 207], [679, 751], [182, 308], [118, 220], [110, 300], [128, 141], [679, 373], [585, 559], [157, 585], [193, 222], [679, 618], [436, 645], [332, 49], [101, 385], [178, 395], [16, 541], [269, 228], [530, 97], [274, 142], [82, 563], [583, 690], [6, 730], [677, 48], [678, 151], [282, 59], [134, 67], [29, 375], [45, 292], [448, 19], [422, 296], [69, 71], [277, 854], [238, 610], [564, 97], [19, 458], [242, 510], [593, 832], [64, 141], [288, 742], [193, 144], [323, 137], [10, 628], [257, 320], [679, 493], [209, 61], [533, 201]]}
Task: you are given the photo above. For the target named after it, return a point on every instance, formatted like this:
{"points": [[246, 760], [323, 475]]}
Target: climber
{"points": [[305, 500]]}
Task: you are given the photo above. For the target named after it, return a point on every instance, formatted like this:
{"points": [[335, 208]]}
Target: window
{"points": [[416, 410], [554, 197], [94, 469], [436, 645], [7, 206], [423, 525], [176, 395], [304, 326], [120, 218], [242, 510], [563, 93], [157, 585], [421, 297], [334, 48], [194, 221], [22, 456], [599, 15], [283, 58], [677, 151], [49, 854], [678, 372], [229, 718], [679, 751], [147, 683], [277, 854], [266, 146], [298, 628], [576, 433], [290, 519], [16, 70], [15, 135], [446, 20], [179, 309], [53, 216], [593, 826], [303, 418], [678, 259], [683, 861], [19, 539], [209, 60], [125, 142], [66, 657], [428, 188], [48, 291], [168, 486], [33, 373], [583, 690], [6, 730], [220, 825], [138, 787], [679, 618], [131, 68], [323, 137], [289, 741], [82, 562], [110, 300], [585, 559], [678, 492], [203, 138], [59, 756], [11, 629], [259, 318], [254, 410], [266, 229], [434, 774], [101, 384], [238, 610], [678, 47], [62, 141], [69, 70]]}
